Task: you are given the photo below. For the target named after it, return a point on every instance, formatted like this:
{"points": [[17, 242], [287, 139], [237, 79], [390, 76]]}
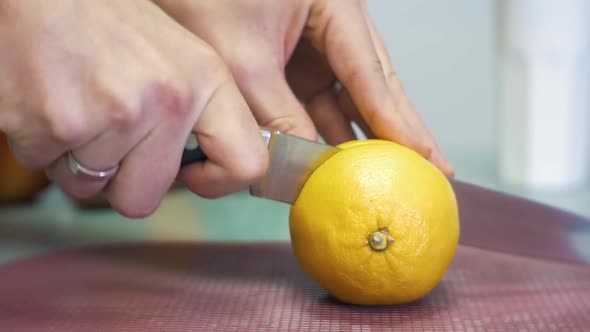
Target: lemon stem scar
{"points": [[380, 239]]}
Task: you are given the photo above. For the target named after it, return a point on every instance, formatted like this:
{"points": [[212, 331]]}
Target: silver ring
{"points": [[79, 169]]}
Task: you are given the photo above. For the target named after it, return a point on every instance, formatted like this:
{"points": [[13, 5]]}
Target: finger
{"points": [[271, 100], [403, 101], [62, 123], [308, 72], [340, 32], [75, 185], [147, 172], [40, 149], [331, 123], [151, 166], [129, 128], [349, 109], [104, 152], [230, 137]]}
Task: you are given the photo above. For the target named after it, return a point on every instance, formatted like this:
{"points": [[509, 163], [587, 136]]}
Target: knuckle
{"points": [[248, 165], [357, 77], [378, 66], [169, 98], [122, 115], [68, 132], [254, 167], [391, 75], [64, 127]]}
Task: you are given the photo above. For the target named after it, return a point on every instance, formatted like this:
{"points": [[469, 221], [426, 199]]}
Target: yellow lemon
{"points": [[375, 224]]}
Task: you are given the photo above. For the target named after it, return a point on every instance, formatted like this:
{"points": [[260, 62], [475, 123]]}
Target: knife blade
{"points": [[489, 219], [506, 223], [291, 162]]}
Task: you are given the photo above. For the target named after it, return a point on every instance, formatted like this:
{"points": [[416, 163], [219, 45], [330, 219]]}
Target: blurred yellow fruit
{"points": [[17, 183]]}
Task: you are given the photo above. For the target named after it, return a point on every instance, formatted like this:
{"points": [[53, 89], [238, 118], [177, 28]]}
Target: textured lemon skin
{"points": [[368, 186]]}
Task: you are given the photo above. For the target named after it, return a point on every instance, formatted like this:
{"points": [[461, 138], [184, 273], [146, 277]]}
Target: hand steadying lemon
{"points": [[375, 224]]}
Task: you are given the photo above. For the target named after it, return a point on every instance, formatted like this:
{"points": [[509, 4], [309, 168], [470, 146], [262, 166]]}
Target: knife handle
{"points": [[192, 152]]}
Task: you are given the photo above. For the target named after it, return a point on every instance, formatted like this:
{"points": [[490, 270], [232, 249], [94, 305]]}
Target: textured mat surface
{"points": [[260, 287]]}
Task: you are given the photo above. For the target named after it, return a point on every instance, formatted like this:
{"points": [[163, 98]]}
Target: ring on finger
{"points": [[79, 169]]}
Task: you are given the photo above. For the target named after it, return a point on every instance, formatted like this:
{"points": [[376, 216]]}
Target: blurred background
{"points": [[501, 84]]}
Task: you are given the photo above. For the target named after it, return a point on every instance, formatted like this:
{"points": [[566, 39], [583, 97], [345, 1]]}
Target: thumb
{"points": [[272, 101]]}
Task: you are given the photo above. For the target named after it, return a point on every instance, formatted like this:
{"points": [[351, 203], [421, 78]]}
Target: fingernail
{"points": [[442, 163], [449, 169]]}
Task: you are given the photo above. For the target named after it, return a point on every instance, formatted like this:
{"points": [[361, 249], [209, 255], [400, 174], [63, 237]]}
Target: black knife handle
{"points": [[192, 152], [191, 156]]}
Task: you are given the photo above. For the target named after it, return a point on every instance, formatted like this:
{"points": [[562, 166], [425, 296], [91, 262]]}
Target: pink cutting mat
{"points": [[260, 287]]}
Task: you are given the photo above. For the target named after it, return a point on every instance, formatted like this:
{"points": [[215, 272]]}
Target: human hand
{"points": [[285, 53], [120, 82]]}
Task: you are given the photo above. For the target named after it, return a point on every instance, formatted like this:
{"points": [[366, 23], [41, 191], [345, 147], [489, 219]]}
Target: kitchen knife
{"points": [[291, 161], [489, 220]]}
